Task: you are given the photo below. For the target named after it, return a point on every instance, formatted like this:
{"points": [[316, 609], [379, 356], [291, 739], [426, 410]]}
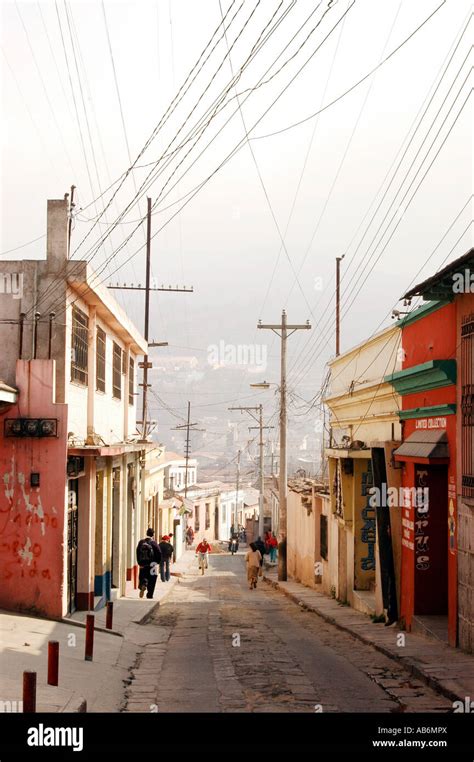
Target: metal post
{"points": [[29, 692], [89, 637], [109, 615], [35, 334], [22, 325], [53, 662], [52, 315]]}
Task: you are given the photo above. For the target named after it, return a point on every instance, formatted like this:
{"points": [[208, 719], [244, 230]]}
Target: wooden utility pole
{"points": [[146, 365], [189, 427], [338, 303], [236, 517], [69, 227], [260, 426], [284, 331]]}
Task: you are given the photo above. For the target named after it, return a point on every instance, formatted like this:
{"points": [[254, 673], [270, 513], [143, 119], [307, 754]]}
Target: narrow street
{"points": [[216, 646]]}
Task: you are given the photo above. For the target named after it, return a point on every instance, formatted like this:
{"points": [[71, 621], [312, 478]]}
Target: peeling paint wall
{"points": [[32, 519]]}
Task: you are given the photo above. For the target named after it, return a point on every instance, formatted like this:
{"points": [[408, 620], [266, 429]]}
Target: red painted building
{"points": [[427, 384], [437, 388]]}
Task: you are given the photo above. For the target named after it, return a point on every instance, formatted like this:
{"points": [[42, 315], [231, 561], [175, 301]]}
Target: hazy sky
{"points": [[317, 186]]}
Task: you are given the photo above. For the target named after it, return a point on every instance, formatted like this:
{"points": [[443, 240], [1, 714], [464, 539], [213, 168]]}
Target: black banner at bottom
{"points": [[86, 736]]}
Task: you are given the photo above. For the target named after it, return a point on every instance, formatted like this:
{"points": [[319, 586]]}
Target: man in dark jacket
{"points": [[166, 550], [148, 558]]}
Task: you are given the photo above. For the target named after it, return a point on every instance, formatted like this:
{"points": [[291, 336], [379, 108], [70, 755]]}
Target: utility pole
{"points": [[236, 516], [284, 331], [338, 303], [189, 427], [260, 426], [146, 365], [69, 227]]}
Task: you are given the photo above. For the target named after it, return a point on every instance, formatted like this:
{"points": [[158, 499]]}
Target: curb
{"points": [[407, 662], [75, 623], [75, 705]]}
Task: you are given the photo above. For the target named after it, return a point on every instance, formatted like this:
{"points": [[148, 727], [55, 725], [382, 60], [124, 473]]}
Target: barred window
{"points": [[79, 348], [117, 372], [196, 518], [208, 515], [131, 388], [100, 360]]}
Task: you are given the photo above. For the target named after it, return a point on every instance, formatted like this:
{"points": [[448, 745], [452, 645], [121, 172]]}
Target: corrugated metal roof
{"points": [[425, 444]]}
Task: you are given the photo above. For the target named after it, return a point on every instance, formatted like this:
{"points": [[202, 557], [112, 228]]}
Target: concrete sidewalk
{"points": [[97, 686], [446, 669]]}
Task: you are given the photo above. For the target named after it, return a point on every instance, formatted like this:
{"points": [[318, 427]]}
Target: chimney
{"points": [[57, 234]]}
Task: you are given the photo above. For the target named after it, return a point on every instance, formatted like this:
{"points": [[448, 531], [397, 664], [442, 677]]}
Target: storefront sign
{"points": [[430, 423]]}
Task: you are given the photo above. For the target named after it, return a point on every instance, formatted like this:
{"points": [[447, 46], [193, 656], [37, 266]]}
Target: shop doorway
{"points": [[431, 540]]}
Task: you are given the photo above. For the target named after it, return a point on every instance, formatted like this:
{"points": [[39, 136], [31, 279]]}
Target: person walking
{"points": [[189, 536], [273, 545], [260, 545], [148, 559], [253, 559], [166, 549]]}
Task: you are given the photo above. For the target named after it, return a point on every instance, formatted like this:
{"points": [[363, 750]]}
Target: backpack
{"points": [[166, 550], [145, 554]]}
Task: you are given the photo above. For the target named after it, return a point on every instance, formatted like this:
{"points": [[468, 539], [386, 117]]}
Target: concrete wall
{"points": [[32, 525], [200, 511], [112, 419], [301, 546]]}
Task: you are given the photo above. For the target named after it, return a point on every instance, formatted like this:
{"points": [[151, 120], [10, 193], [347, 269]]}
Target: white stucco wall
{"points": [[109, 413]]}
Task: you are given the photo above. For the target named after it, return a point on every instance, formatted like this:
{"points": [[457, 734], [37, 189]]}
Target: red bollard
{"points": [[53, 662], [110, 615], [89, 637], [29, 692]]}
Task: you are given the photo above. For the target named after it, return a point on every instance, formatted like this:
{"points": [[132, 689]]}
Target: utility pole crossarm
{"points": [[189, 427], [285, 331], [181, 290], [147, 288]]}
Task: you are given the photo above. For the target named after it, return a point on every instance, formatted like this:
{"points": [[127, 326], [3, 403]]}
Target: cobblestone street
{"points": [[216, 646]]}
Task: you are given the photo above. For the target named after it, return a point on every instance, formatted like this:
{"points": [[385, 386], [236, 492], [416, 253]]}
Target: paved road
{"points": [[216, 646]]}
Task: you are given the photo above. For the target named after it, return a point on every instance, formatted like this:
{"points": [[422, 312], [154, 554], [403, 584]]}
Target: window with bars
{"points": [[196, 518], [323, 525], [208, 515], [100, 360], [131, 388], [79, 346], [117, 372], [467, 406]]}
